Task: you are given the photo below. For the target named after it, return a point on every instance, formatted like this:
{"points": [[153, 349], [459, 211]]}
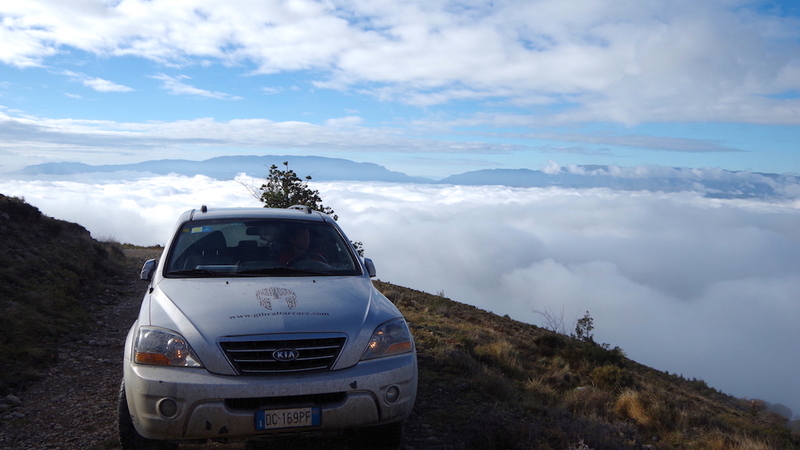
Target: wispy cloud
{"points": [[101, 85], [348, 121], [345, 132], [639, 141], [33, 137], [663, 143], [98, 84], [176, 86]]}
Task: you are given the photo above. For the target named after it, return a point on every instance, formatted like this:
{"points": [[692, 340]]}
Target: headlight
{"points": [[163, 348], [391, 338]]}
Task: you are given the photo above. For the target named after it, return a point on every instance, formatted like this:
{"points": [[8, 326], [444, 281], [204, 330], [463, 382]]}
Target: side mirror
{"points": [[370, 267], [148, 268]]}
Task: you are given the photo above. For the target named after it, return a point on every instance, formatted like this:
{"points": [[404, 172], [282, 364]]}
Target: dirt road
{"points": [[74, 405]]}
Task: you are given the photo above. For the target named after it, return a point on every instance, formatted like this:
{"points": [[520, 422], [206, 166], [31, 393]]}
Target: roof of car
{"points": [[295, 213]]}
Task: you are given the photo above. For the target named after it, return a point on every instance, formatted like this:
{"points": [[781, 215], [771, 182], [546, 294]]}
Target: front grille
{"points": [[255, 357]]}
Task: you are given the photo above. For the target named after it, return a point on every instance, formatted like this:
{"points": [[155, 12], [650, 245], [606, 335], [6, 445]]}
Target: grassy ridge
{"points": [[535, 389], [48, 268]]}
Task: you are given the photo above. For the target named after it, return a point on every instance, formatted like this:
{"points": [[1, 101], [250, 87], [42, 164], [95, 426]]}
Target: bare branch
{"points": [[552, 321], [250, 187]]}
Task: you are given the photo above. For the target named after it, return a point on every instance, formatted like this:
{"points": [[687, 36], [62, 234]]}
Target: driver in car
{"points": [[297, 247]]}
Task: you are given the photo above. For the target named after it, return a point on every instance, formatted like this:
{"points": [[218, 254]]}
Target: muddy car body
{"points": [[244, 334]]}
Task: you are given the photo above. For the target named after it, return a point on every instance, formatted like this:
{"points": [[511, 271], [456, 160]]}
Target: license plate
{"points": [[288, 418]]}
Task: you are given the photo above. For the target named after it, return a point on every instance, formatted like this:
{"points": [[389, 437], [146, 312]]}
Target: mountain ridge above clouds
{"points": [[711, 182], [228, 167]]}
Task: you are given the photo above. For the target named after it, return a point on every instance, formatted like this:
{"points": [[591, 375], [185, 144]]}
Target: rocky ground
{"points": [[74, 405]]}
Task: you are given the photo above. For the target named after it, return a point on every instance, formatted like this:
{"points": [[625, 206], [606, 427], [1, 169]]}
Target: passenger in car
{"points": [[209, 249]]}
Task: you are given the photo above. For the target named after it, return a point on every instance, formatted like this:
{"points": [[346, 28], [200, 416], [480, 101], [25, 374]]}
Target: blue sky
{"points": [[426, 88]]}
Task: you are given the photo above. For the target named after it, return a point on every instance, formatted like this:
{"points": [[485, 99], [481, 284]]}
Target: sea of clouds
{"points": [[706, 288]]}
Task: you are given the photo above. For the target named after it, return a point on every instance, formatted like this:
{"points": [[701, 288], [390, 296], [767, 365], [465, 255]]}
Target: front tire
{"points": [[129, 438]]}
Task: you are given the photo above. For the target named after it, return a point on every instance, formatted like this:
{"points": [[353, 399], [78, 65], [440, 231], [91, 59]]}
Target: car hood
{"points": [[204, 310]]}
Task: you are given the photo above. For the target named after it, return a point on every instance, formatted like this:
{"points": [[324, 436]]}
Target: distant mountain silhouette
{"points": [[227, 167], [715, 183]]}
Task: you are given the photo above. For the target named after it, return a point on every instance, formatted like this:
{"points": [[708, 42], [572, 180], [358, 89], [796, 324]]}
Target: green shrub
{"points": [[593, 354], [589, 401], [549, 344], [612, 378]]}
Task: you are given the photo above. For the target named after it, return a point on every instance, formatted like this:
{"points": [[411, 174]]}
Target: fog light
{"points": [[167, 408], [392, 394]]}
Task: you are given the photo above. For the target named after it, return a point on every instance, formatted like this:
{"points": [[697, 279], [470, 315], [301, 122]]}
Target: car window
{"points": [[259, 248]]}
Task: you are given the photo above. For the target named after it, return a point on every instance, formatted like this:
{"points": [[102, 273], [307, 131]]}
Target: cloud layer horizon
{"points": [[706, 288]]}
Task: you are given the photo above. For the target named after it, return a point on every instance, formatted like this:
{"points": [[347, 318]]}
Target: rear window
{"points": [[259, 248]]}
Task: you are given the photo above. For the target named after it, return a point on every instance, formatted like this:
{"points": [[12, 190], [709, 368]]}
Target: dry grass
{"points": [[634, 405], [48, 269], [547, 390], [719, 441], [590, 401]]}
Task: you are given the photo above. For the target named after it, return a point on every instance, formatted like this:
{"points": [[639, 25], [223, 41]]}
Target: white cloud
{"points": [[42, 139], [98, 84], [101, 85], [623, 61], [23, 45], [706, 288], [141, 211], [63, 139], [552, 168], [175, 86], [682, 283], [348, 121]]}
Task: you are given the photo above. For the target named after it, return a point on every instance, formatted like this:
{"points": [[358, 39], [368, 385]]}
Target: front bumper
{"points": [[223, 407]]}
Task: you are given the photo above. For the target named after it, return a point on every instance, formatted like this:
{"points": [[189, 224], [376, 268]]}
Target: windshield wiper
{"points": [[282, 271], [196, 272]]}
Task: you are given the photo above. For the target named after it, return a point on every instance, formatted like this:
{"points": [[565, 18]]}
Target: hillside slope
{"points": [[501, 384], [48, 268]]}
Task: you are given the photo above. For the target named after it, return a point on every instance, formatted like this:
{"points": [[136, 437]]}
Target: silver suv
{"points": [[260, 322]]}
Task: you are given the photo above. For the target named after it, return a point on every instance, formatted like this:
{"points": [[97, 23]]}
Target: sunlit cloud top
{"points": [[683, 283]]}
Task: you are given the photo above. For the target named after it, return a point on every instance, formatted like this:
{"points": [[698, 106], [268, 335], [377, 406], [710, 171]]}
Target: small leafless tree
{"points": [[552, 321]]}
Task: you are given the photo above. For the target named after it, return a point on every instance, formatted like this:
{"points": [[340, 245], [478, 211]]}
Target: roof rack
{"points": [[203, 209], [303, 208]]}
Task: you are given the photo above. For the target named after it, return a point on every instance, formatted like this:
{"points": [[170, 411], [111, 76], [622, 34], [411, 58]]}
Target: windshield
{"points": [[234, 247]]}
